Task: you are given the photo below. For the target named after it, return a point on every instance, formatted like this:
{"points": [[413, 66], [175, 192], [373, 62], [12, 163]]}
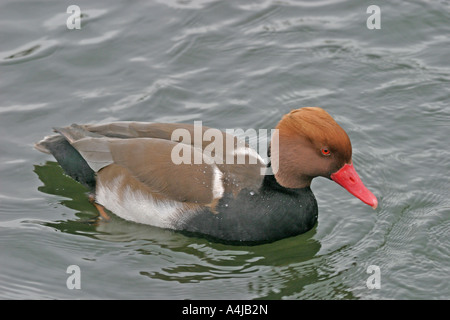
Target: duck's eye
{"points": [[326, 151]]}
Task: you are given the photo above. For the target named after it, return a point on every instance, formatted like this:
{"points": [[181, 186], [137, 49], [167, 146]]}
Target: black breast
{"points": [[265, 215]]}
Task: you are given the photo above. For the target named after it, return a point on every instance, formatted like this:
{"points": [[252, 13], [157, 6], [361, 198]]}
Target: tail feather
{"points": [[43, 145], [76, 132], [67, 156]]}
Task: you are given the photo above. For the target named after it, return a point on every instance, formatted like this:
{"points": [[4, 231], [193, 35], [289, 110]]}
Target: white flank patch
{"points": [[138, 206], [217, 183]]}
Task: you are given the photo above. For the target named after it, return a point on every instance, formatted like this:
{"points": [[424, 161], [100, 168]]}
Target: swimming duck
{"points": [[153, 173]]}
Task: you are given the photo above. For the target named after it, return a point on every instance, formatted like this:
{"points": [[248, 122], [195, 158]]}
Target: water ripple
{"points": [[31, 51], [186, 4], [22, 108]]}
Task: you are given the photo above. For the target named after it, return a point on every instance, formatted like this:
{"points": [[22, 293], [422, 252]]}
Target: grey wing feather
{"points": [[94, 148], [95, 151]]}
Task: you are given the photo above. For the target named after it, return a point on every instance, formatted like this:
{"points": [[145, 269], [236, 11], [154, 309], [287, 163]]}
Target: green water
{"points": [[230, 64]]}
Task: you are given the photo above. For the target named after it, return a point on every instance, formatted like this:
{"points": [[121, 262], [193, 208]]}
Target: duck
{"points": [[156, 174]]}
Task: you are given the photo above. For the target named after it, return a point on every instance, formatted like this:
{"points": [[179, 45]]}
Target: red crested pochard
{"points": [[130, 168]]}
